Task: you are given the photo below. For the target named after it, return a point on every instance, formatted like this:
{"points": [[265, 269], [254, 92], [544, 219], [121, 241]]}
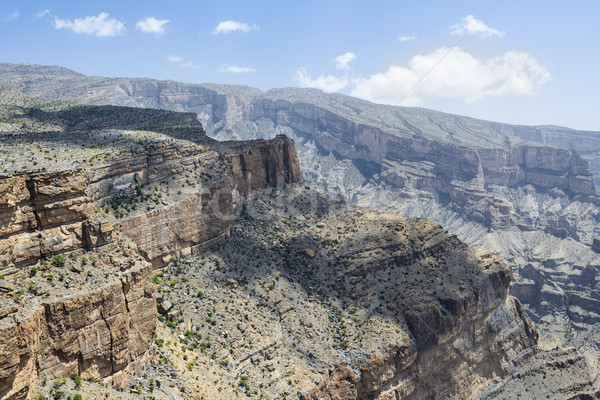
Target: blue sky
{"points": [[517, 61]]}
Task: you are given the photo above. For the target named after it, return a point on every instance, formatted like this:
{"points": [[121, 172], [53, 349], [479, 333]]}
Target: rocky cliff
{"points": [[78, 242], [45, 214], [458, 335], [103, 329], [457, 157], [199, 215], [49, 213], [354, 128], [585, 142]]}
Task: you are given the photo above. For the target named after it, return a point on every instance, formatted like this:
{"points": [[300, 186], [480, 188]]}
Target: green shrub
{"points": [[77, 379], [58, 260]]}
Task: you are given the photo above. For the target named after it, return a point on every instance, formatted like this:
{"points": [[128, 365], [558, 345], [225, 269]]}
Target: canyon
{"points": [[490, 184]]}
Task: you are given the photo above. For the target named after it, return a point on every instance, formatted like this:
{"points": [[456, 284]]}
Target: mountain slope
{"points": [[533, 205]]}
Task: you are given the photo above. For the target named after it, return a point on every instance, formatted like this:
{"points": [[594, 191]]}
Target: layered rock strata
{"points": [[78, 296], [44, 214], [103, 331], [353, 128], [458, 158]]}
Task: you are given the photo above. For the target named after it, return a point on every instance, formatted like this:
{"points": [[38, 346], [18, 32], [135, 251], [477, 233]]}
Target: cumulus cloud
{"points": [[182, 62], [341, 62], [406, 38], [327, 83], [442, 74], [235, 69], [102, 25], [13, 15], [41, 14], [234, 26], [458, 75], [152, 25], [471, 25]]}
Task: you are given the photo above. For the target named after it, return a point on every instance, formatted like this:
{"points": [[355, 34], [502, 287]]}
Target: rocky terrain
{"points": [[492, 184], [533, 205], [312, 298], [108, 182], [140, 258]]}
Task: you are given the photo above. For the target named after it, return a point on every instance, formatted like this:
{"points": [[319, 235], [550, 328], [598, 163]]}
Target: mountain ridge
{"points": [[289, 93]]}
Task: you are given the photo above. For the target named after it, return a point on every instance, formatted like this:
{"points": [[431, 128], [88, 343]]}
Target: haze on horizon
{"points": [[523, 62]]}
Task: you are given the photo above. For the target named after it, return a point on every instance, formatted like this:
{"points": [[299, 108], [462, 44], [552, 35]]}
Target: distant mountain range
{"points": [[62, 83]]}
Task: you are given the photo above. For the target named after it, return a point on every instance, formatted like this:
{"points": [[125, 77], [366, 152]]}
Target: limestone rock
{"points": [[99, 333], [164, 307], [105, 327]]}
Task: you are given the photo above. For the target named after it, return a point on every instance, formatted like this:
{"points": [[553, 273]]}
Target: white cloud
{"points": [[152, 25], [458, 75], [182, 62], [406, 38], [471, 25], [41, 14], [102, 25], [235, 69], [341, 62], [327, 83], [234, 26], [13, 15]]}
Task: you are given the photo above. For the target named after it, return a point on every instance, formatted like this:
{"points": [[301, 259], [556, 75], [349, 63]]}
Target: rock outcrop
{"points": [[484, 149], [105, 332], [202, 219], [458, 158], [81, 298], [45, 214], [48, 213]]}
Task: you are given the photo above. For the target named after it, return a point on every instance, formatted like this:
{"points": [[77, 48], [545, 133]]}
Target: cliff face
{"points": [[375, 139], [105, 333], [458, 158], [191, 224], [256, 166], [78, 245], [458, 339], [585, 142], [49, 213], [469, 358], [45, 214], [479, 185], [544, 167]]}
